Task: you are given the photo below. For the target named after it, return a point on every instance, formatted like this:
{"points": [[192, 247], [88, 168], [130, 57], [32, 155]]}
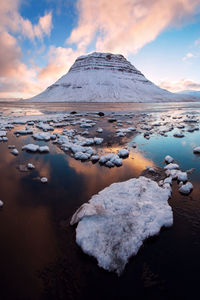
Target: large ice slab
{"points": [[116, 221]]}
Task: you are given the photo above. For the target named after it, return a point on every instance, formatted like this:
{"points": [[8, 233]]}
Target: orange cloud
{"points": [[180, 85], [124, 26]]}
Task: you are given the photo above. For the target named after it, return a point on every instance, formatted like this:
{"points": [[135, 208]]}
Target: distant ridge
{"points": [[106, 77], [190, 92]]}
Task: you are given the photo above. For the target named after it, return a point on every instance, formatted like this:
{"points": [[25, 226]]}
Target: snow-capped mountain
{"points": [[190, 92], [105, 77]]}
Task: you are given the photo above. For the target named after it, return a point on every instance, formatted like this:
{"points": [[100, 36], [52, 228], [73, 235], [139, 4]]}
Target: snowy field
{"points": [[99, 193]]}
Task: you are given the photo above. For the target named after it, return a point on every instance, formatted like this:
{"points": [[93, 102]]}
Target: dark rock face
{"points": [[102, 61]]}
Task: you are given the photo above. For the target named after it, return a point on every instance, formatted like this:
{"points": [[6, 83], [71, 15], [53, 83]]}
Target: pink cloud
{"points": [[125, 26], [16, 78], [180, 85]]}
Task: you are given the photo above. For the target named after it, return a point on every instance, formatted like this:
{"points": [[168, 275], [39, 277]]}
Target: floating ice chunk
{"points": [[111, 160], [182, 176], [43, 149], [178, 134], [42, 136], [30, 123], [30, 147], [157, 124], [23, 131], [15, 152], [116, 221], [196, 150], [169, 159], [123, 153], [88, 142], [53, 137], [94, 158], [20, 122], [146, 127], [86, 125], [191, 119], [85, 132], [44, 180], [168, 180], [121, 134], [186, 188], [45, 126], [131, 129], [124, 131], [30, 166], [98, 141], [77, 148], [1, 203], [171, 167], [172, 173], [81, 156], [150, 169], [3, 133], [180, 126]]}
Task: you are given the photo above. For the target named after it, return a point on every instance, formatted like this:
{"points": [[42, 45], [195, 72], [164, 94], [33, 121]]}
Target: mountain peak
{"points": [[105, 77]]}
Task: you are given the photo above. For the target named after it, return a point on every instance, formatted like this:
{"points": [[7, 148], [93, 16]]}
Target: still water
{"points": [[39, 258]]}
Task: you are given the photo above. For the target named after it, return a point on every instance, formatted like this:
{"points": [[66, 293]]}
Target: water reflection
{"points": [[27, 234], [32, 239]]}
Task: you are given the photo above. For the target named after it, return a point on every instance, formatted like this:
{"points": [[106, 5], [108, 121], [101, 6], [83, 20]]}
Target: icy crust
{"points": [[116, 221], [106, 77]]}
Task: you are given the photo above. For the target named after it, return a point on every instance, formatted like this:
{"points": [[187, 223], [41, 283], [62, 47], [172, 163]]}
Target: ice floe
{"points": [[186, 188], [115, 222], [110, 160], [42, 136], [14, 151], [171, 166], [196, 150], [123, 153], [30, 166], [30, 147], [168, 159], [44, 180]]}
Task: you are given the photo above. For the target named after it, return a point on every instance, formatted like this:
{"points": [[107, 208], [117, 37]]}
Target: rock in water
{"points": [[116, 221], [106, 77]]}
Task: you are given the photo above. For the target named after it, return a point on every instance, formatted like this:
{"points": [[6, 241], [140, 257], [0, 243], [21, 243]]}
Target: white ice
{"points": [[116, 221]]}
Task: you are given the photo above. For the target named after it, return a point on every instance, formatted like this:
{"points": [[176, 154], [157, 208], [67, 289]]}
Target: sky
{"points": [[40, 40]]}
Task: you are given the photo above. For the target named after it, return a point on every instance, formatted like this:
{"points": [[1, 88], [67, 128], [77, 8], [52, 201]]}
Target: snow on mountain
{"points": [[105, 77]]}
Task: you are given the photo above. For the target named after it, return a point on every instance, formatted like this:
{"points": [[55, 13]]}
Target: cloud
{"points": [[16, 78], [12, 22], [125, 26], [60, 60], [180, 85], [39, 30], [188, 56]]}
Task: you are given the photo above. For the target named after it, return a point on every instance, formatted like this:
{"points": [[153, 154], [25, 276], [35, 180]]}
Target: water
{"points": [[39, 258]]}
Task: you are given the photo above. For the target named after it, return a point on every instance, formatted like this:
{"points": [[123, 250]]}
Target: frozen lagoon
{"points": [[39, 256]]}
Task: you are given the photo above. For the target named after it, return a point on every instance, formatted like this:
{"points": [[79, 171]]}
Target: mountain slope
{"points": [[105, 77], [190, 92]]}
